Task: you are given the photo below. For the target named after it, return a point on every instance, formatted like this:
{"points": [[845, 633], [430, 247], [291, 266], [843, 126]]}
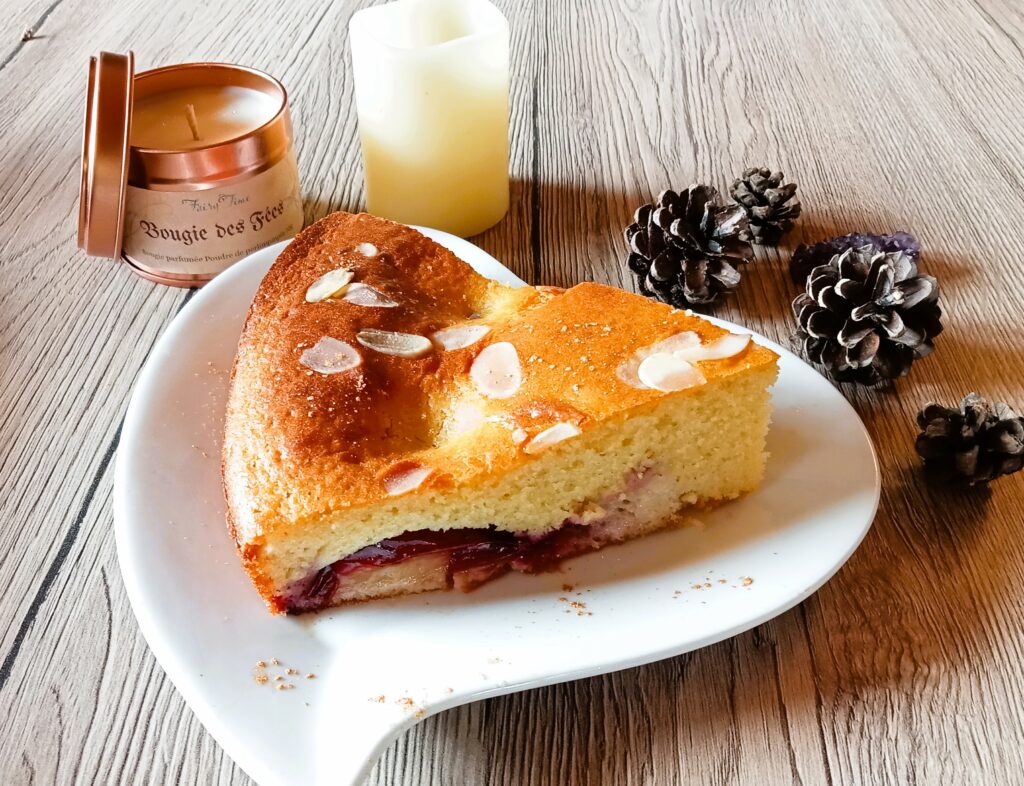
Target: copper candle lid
{"points": [[105, 149], [135, 200]]}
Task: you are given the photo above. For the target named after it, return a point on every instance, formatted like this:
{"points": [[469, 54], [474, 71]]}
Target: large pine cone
{"points": [[685, 248], [771, 205], [867, 315], [975, 444]]}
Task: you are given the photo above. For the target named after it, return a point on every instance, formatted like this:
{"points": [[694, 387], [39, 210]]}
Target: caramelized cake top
{"points": [[330, 410]]}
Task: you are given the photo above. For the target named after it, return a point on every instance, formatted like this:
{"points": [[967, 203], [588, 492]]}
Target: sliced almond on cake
{"points": [[669, 373], [404, 477], [388, 342], [685, 347], [460, 336], [365, 295], [497, 372], [330, 356], [552, 436], [719, 349], [329, 284]]}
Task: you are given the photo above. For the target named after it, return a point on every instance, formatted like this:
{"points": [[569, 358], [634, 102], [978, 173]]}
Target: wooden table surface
{"points": [[906, 668]]}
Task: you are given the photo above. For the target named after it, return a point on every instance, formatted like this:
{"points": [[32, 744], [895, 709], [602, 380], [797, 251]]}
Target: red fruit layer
{"points": [[474, 557]]}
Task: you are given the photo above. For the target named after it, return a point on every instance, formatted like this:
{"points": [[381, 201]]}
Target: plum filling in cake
{"points": [[465, 558], [471, 555]]}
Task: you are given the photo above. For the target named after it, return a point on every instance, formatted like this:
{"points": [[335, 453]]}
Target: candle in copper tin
{"points": [[186, 168]]}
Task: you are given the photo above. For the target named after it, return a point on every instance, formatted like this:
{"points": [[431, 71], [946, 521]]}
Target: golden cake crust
{"points": [[300, 445]]}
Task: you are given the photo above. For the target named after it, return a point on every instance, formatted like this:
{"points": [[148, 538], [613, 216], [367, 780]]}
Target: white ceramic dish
{"points": [[381, 666]]}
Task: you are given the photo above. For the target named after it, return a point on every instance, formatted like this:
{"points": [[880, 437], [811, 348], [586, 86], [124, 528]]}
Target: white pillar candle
{"points": [[431, 85], [219, 113]]}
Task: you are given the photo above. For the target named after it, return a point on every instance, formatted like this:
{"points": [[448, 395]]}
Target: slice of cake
{"points": [[397, 423]]}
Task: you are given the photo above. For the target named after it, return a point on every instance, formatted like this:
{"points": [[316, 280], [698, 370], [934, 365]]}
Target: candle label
{"points": [[200, 233]]}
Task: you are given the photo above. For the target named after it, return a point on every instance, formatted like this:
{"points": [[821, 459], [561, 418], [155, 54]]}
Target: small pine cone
{"points": [[867, 315], [772, 207], [975, 444], [685, 248]]}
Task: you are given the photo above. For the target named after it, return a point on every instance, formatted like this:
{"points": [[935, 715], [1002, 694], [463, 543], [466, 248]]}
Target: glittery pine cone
{"points": [[806, 257], [867, 315], [771, 205], [976, 443], [685, 248]]}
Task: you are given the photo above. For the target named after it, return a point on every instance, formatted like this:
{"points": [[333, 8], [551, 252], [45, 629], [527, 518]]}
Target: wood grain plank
{"points": [[24, 24], [905, 668]]}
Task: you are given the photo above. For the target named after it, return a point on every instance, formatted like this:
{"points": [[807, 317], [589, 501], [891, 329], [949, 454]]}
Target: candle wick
{"points": [[193, 124]]}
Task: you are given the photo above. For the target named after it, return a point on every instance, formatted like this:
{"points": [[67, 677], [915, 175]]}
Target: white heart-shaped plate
{"points": [[381, 666]]}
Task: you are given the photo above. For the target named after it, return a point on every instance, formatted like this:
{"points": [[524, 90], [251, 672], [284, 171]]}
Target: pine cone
{"points": [[806, 257], [867, 315], [975, 444], [684, 248], [771, 207]]}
